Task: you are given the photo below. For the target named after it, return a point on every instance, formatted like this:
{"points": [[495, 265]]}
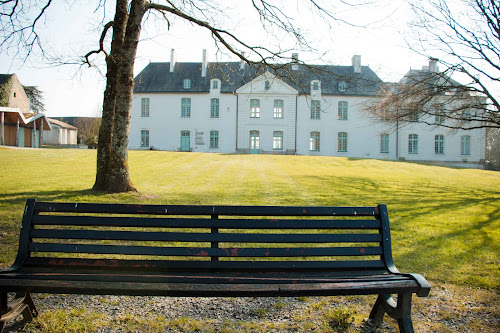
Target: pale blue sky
{"points": [[71, 90]]}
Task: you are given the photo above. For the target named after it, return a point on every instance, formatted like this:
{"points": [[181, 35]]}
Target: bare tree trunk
{"points": [[119, 176], [109, 101]]}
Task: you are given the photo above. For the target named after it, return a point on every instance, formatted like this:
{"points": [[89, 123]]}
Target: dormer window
{"points": [[342, 86], [215, 85], [315, 86], [187, 84], [267, 85]]}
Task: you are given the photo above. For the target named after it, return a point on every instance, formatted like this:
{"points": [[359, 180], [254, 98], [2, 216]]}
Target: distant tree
{"points": [[35, 96], [493, 149], [88, 129], [465, 36]]}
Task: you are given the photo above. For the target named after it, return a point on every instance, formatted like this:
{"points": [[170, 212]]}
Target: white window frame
{"points": [[465, 145], [384, 143], [255, 108], [267, 85], [215, 84], [315, 109], [186, 84], [439, 144], [413, 144], [343, 107], [185, 107], [144, 138], [214, 139], [278, 140], [214, 108], [315, 141], [342, 86], [145, 102], [439, 117], [315, 85], [279, 109], [342, 142]]}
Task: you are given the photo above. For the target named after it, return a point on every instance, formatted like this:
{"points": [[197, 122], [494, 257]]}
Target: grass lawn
{"points": [[445, 221]]}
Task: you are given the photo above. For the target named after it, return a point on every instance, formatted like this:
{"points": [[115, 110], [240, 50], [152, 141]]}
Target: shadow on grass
{"points": [[20, 198]]}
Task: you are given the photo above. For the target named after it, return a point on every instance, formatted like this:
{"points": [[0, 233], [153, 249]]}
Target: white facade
{"points": [[61, 134], [165, 122], [267, 115]]}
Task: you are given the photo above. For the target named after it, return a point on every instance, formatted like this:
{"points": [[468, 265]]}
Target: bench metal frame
{"points": [[207, 251]]}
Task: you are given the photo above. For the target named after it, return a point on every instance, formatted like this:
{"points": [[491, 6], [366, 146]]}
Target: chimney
{"points": [[172, 60], [433, 65], [356, 63], [242, 62], [295, 61], [204, 64]]}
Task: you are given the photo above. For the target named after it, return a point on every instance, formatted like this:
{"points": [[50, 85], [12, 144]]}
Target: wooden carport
{"points": [[22, 129]]}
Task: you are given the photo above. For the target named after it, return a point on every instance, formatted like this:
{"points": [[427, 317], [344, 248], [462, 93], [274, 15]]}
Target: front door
{"points": [[185, 141], [254, 142]]}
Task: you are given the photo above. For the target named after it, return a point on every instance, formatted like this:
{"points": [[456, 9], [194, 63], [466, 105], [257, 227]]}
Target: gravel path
{"points": [[447, 309]]}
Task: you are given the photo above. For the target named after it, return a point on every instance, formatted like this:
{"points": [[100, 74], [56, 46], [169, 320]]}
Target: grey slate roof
{"points": [[432, 79], [157, 78]]}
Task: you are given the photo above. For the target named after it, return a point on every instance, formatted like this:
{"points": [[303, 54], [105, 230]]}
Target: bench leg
{"points": [[3, 309], [401, 311], [404, 313], [22, 304]]}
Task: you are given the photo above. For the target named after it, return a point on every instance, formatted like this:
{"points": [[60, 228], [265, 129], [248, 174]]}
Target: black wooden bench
{"points": [[207, 251]]}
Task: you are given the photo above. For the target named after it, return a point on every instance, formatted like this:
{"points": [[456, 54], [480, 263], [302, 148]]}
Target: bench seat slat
{"points": [[204, 237], [197, 265], [142, 222], [59, 207], [199, 278], [206, 251], [220, 290]]}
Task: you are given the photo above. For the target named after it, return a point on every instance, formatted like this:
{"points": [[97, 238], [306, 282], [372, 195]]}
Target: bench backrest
{"points": [[167, 237]]}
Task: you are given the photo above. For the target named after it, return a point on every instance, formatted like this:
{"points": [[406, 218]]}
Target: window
{"points": [[254, 108], [342, 110], [267, 85], [342, 86], [384, 143], [185, 107], [214, 139], [315, 109], [439, 144], [278, 108], [144, 138], [439, 118], [467, 114], [413, 116], [314, 141], [315, 85], [277, 140], [215, 84], [413, 144], [342, 142], [465, 145], [187, 84], [214, 108], [144, 107]]}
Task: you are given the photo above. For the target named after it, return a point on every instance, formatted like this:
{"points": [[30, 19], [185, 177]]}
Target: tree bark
{"points": [[119, 176], [110, 94]]}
